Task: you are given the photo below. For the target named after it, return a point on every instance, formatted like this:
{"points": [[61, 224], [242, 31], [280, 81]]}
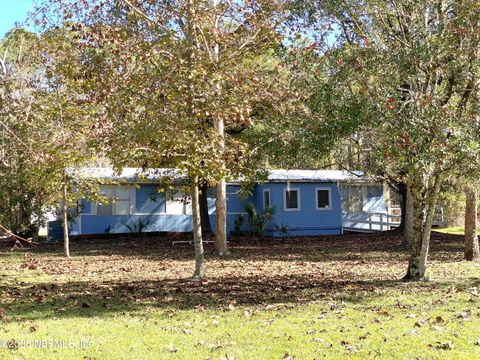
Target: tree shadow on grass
{"points": [[103, 299], [336, 247], [382, 253]]}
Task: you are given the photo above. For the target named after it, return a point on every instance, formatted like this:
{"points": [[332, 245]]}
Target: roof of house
{"points": [[149, 175], [314, 175], [127, 174]]}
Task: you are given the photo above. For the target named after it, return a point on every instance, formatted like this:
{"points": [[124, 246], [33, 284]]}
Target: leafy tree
{"points": [[45, 124], [19, 161], [177, 80], [402, 75]]}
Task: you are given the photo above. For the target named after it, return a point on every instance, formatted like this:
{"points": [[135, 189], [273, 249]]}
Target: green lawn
{"points": [[275, 299], [455, 230]]}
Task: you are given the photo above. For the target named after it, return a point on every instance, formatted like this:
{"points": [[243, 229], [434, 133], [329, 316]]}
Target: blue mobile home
{"points": [[304, 202]]}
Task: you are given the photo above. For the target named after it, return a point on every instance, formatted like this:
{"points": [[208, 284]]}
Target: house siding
{"points": [[308, 220], [94, 224], [85, 206], [151, 212], [149, 201]]}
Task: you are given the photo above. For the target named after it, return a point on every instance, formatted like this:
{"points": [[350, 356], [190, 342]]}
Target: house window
{"points": [[119, 201], [104, 209], [291, 199], [121, 206], [323, 198], [266, 198]]}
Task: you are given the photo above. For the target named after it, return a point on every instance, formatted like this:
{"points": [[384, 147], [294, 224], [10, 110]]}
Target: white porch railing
{"points": [[369, 221], [375, 221]]}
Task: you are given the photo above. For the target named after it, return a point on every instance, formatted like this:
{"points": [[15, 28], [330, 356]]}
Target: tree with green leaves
{"points": [[402, 75], [45, 124], [177, 81], [21, 190]]}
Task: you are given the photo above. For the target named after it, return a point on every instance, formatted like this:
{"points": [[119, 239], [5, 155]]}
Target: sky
{"points": [[12, 11]]}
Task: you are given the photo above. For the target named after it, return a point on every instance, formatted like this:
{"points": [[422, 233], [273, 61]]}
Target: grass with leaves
{"points": [[294, 298], [455, 230]]}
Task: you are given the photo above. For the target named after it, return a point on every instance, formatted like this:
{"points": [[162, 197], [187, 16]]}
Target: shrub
{"points": [[258, 220]]}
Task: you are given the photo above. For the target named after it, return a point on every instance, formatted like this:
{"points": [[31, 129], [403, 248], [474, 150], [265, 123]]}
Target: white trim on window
{"points": [[329, 207], [298, 208], [269, 199]]}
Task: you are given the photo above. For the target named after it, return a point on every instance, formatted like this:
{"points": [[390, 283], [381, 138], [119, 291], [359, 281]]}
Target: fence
{"points": [[374, 221]]}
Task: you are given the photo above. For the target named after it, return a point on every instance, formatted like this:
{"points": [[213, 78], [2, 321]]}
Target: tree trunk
{"points": [[350, 156], [197, 224], [221, 218], [221, 196], [205, 218], [401, 190], [472, 252], [221, 187], [425, 196], [197, 230], [66, 239], [408, 222]]}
